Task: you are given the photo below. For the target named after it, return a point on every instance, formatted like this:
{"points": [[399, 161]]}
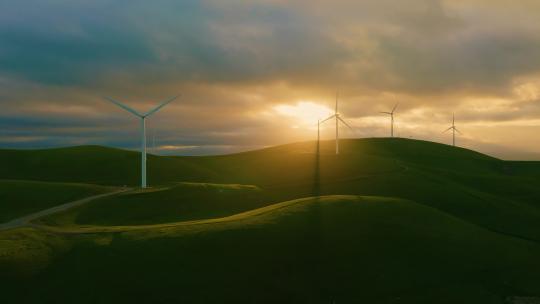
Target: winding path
{"points": [[25, 220]]}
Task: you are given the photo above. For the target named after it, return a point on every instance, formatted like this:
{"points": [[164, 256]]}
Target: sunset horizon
{"points": [[248, 72]]}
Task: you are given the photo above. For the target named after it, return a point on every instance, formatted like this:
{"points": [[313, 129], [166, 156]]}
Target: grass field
{"points": [[386, 221], [495, 194], [316, 250], [265, 167]]}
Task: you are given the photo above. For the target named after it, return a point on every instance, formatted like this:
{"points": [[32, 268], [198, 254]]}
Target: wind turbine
{"points": [[338, 118], [454, 130], [318, 130], [143, 117], [391, 119]]}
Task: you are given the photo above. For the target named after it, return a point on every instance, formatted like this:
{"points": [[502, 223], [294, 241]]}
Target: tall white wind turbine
{"points": [[391, 119], [338, 118], [143, 117], [454, 130]]}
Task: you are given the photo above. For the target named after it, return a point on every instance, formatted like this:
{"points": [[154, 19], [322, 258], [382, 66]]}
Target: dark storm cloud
{"points": [[72, 43], [423, 47], [65, 59], [69, 42]]}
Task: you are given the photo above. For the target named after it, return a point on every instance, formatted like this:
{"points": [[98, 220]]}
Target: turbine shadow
{"points": [[315, 219], [316, 189]]}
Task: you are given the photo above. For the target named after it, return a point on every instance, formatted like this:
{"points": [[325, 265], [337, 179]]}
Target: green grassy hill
{"points": [[397, 221], [316, 250], [93, 165], [501, 196], [179, 202], [101, 165]]}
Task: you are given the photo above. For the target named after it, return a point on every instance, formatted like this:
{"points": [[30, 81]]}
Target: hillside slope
{"points": [[501, 196], [101, 165], [293, 223], [179, 202], [339, 249]]}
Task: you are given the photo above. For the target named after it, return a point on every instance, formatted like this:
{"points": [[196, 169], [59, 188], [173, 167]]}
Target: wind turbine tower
{"points": [[454, 130], [338, 118], [318, 130], [391, 119], [143, 117]]}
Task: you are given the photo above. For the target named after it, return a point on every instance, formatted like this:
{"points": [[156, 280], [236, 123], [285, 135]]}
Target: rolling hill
{"points": [[102, 165], [499, 195], [386, 221], [179, 202], [315, 250]]}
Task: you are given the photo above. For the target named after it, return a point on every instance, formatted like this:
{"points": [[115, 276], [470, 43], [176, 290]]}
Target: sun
{"points": [[306, 112]]}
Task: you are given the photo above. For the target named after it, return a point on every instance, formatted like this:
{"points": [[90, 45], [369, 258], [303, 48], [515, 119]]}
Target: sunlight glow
{"points": [[305, 112]]}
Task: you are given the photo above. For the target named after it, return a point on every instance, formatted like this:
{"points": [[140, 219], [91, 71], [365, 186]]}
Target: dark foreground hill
{"points": [[342, 249], [386, 221]]}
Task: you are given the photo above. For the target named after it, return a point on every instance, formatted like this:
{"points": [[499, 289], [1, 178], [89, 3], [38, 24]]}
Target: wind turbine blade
{"points": [[123, 106], [154, 110], [332, 116], [395, 107], [343, 121], [447, 130], [458, 131]]}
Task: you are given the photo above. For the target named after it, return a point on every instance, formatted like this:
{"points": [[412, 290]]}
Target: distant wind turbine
{"points": [[338, 118], [454, 130], [318, 130], [391, 119], [143, 130]]}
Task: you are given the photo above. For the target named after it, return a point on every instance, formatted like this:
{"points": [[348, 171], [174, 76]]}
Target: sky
{"points": [[253, 74]]}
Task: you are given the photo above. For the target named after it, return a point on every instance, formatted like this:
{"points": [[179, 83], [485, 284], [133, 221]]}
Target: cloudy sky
{"points": [[259, 73]]}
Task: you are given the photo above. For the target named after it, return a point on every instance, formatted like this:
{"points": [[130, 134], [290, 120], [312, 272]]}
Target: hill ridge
{"points": [[278, 146]]}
